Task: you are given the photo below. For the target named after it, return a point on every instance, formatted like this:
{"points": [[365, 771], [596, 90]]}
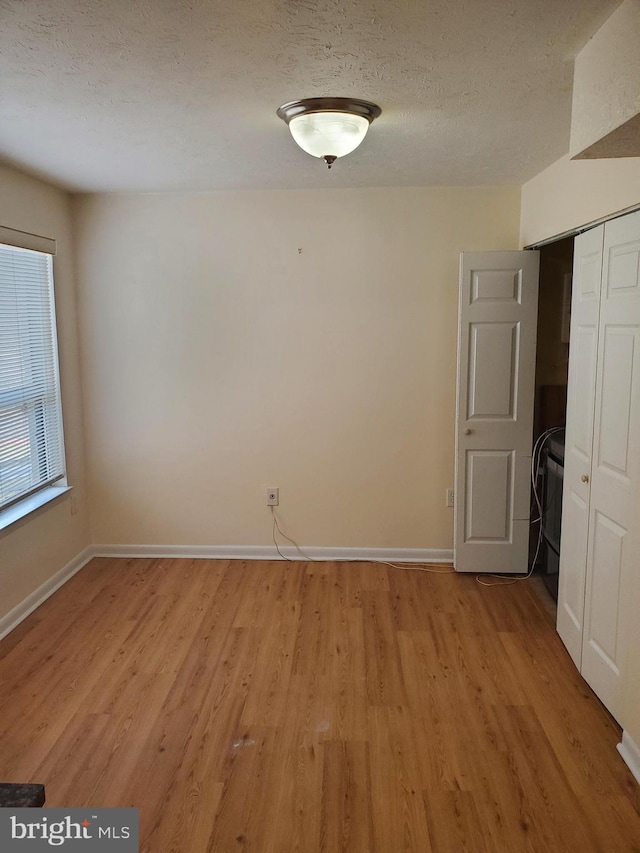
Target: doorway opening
{"points": [[550, 407]]}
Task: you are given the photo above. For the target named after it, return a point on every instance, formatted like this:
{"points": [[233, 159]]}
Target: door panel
{"points": [[622, 267], [493, 354], [583, 349], [575, 530], [612, 441], [604, 589], [499, 285], [489, 511], [582, 390], [496, 363], [589, 265]]}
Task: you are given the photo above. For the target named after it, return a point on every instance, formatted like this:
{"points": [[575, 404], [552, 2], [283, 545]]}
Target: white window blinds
{"points": [[31, 446]]}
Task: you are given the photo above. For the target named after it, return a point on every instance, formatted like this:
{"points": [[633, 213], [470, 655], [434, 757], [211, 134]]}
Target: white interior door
{"points": [[497, 328], [616, 459], [585, 312]]}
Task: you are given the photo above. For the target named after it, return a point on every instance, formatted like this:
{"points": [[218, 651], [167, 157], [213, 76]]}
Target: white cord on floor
{"points": [[419, 567]]}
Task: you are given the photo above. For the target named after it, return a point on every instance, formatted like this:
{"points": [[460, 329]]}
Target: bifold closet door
{"points": [[583, 356], [615, 463], [602, 454]]}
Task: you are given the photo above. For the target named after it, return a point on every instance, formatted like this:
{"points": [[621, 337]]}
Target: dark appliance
{"points": [[552, 510]]}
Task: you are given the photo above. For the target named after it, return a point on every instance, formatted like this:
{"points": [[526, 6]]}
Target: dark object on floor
{"points": [[14, 796]]}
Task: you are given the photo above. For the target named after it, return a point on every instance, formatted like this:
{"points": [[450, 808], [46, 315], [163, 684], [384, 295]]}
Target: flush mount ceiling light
{"points": [[329, 128]]}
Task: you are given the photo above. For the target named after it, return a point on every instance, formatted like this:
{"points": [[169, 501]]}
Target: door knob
{"points": [[468, 431], [585, 478]]}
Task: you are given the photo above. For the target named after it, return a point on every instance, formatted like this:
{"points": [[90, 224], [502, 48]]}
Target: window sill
{"points": [[22, 508]]}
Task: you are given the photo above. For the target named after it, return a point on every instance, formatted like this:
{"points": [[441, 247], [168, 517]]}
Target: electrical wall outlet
{"points": [[450, 498], [273, 497]]}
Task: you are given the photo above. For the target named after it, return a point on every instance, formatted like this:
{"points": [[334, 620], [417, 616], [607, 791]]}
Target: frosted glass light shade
{"points": [[328, 133], [328, 128]]}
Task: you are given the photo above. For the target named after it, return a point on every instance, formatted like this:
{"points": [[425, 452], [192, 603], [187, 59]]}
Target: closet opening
{"points": [[550, 406]]}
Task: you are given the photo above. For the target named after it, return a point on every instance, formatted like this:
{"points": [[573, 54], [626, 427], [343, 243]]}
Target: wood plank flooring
{"points": [[289, 707]]}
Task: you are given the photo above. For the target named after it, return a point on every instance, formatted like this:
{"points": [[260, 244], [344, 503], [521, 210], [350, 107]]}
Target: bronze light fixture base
{"points": [[352, 106]]}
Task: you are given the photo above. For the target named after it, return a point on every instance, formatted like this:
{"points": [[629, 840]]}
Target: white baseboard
{"points": [[20, 612], [268, 552], [630, 751]]}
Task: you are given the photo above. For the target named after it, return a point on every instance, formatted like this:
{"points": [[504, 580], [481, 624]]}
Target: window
{"points": [[31, 444]]}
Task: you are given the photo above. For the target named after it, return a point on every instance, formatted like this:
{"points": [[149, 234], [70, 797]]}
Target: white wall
{"points": [[299, 339], [571, 193], [34, 549]]}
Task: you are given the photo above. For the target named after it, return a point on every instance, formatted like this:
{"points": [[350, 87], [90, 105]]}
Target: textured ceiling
{"points": [[151, 95]]}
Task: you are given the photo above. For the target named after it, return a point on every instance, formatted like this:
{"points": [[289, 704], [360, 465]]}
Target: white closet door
{"points": [[616, 458], [496, 363], [585, 312]]}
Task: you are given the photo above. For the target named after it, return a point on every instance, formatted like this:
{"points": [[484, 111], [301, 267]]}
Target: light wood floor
{"points": [[282, 707]]}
